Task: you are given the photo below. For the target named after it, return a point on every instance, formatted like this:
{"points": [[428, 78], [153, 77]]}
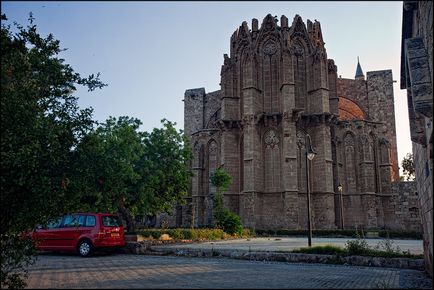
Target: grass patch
{"points": [[359, 247], [322, 250]]}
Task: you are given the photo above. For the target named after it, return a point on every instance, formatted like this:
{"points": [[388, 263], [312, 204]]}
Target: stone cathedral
{"points": [[277, 85]]}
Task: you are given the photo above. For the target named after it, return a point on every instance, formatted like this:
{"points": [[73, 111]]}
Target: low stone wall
{"points": [[145, 248]]}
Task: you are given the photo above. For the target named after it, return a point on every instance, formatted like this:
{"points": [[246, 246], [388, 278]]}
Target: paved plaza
{"points": [[282, 244], [142, 271]]}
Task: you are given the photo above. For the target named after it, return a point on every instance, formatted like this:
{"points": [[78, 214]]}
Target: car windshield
{"points": [[111, 221]]}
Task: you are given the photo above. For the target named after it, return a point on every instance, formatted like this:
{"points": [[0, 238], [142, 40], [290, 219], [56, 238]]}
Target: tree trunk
{"points": [[131, 225]]}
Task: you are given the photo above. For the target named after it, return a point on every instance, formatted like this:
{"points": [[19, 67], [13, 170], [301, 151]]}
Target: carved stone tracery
{"points": [[270, 48], [271, 139]]}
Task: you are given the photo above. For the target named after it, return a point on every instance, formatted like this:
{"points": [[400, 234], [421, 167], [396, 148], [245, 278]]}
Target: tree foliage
{"points": [[221, 180], [41, 123], [53, 161], [408, 166], [17, 254], [227, 220], [130, 172]]}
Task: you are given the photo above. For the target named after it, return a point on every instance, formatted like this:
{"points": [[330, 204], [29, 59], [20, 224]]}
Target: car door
{"points": [[46, 236], [69, 232]]}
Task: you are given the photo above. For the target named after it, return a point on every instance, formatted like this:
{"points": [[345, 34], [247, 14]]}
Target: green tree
{"points": [[165, 167], [408, 166], [41, 124], [227, 220], [106, 164], [221, 180], [131, 172]]}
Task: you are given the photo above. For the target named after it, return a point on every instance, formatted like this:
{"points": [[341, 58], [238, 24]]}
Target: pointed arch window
{"points": [[300, 74], [212, 164], [350, 162], [272, 161], [271, 58]]}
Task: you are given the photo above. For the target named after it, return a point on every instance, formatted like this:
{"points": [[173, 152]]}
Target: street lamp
{"points": [[342, 205], [310, 154]]}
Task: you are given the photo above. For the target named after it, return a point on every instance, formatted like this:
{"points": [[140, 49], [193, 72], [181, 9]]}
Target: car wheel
{"points": [[85, 248]]}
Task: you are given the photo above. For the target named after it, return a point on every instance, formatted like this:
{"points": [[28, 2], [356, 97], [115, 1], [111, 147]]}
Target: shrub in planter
{"points": [[155, 234], [248, 233], [176, 234], [358, 247], [231, 223], [189, 234], [228, 221]]}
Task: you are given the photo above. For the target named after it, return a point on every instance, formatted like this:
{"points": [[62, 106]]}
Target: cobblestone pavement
{"points": [[141, 271]]}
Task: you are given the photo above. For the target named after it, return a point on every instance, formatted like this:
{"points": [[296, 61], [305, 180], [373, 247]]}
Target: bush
{"points": [[176, 234], [248, 233], [189, 234], [17, 255], [185, 234], [387, 246], [231, 223], [358, 247], [210, 234], [144, 233], [156, 234]]}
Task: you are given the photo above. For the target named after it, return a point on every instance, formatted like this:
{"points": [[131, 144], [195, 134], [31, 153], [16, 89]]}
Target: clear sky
{"points": [[149, 53]]}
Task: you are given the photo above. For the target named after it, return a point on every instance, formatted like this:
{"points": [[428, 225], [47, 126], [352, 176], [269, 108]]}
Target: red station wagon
{"points": [[81, 232]]}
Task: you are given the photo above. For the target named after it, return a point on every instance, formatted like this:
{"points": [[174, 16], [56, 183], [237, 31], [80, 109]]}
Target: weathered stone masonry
{"points": [[277, 85], [417, 78]]}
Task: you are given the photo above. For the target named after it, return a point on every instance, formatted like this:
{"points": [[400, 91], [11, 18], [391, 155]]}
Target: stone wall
{"points": [[417, 78], [193, 110], [382, 109], [212, 104], [406, 206], [424, 175], [354, 90]]}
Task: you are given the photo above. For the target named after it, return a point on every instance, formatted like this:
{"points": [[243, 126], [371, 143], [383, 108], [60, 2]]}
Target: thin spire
{"points": [[359, 72]]}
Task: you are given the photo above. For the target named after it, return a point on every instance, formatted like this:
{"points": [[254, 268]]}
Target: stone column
{"points": [[230, 161], [248, 197], [333, 95], [289, 144], [322, 193], [382, 109]]}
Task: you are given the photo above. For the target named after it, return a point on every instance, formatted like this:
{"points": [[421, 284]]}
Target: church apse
{"points": [[277, 84]]}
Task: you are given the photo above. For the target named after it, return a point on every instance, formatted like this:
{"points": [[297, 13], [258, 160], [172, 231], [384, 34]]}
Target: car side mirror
{"points": [[39, 227]]}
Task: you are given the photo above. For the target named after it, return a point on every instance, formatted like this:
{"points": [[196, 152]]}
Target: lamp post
{"points": [[310, 154], [342, 205]]}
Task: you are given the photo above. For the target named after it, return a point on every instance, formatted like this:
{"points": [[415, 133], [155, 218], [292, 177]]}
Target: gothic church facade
{"points": [[278, 91]]}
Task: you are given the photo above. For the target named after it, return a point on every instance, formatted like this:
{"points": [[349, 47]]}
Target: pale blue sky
{"points": [[149, 53]]}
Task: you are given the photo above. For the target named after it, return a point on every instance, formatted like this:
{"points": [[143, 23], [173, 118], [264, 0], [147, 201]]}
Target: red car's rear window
{"points": [[111, 221]]}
